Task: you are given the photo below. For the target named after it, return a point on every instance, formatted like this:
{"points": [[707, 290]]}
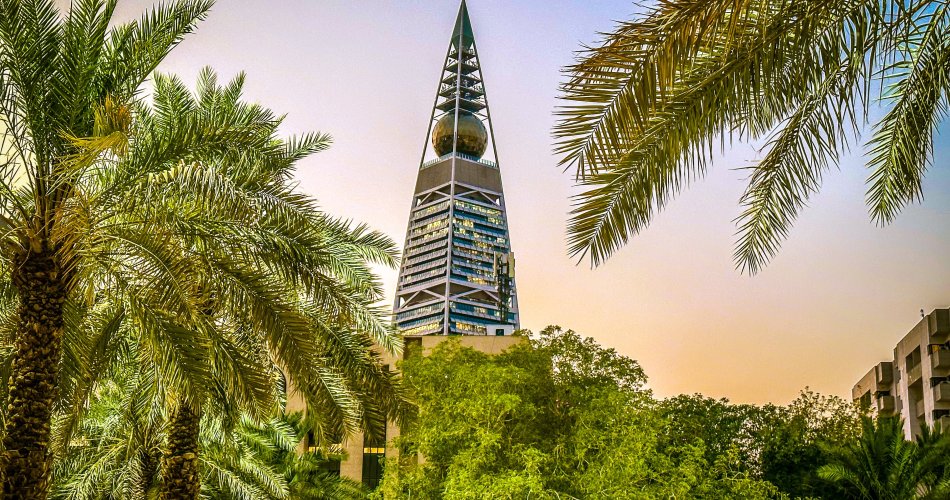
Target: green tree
{"points": [[273, 280], [557, 416], [795, 441], [646, 108], [116, 451], [784, 445], [478, 426], [881, 464], [231, 273], [722, 427]]}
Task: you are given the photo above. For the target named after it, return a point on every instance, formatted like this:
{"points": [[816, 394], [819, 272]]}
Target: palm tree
{"points": [[105, 197], [646, 108], [116, 447], [116, 452], [222, 270], [64, 77], [881, 464]]}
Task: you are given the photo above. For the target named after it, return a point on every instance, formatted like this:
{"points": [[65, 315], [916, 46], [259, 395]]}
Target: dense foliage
{"points": [[882, 464], [558, 416], [554, 416], [115, 453]]}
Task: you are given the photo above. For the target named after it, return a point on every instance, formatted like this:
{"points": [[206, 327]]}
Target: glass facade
{"points": [[466, 259]]}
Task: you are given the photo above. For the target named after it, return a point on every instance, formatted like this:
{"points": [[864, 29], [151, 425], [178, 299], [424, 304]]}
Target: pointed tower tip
{"points": [[463, 25]]}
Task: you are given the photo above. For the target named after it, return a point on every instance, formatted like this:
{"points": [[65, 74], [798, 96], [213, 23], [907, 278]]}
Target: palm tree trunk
{"points": [[41, 286], [180, 475], [148, 468]]}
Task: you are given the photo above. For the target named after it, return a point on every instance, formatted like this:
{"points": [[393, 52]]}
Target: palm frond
{"points": [[135, 49], [645, 109], [902, 147], [803, 148]]}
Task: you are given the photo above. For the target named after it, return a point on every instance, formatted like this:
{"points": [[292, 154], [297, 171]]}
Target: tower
{"points": [[457, 274]]}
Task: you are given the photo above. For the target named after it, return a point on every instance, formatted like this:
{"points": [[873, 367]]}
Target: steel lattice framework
{"points": [[457, 274]]}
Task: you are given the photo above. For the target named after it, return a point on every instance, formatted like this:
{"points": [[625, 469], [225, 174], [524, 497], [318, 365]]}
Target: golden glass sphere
{"points": [[472, 135]]}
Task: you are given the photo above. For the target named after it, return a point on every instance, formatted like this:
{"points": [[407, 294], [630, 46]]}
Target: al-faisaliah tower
{"points": [[457, 274]]}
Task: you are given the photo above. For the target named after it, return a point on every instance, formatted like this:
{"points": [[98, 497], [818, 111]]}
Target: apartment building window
{"points": [[374, 453], [330, 464], [913, 359], [331, 467]]}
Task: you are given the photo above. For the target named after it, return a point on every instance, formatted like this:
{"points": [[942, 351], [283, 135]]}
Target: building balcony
{"points": [[419, 251], [478, 208], [440, 254], [477, 312], [944, 422], [942, 392], [414, 269], [920, 408], [426, 211], [938, 325], [940, 360], [884, 404], [425, 238], [428, 228], [429, 310], [913, 375], [884, 375], [481, 257], [434, 221]]}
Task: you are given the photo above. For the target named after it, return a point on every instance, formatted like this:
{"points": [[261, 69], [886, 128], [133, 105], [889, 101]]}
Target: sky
{"points": [[835, 301]]}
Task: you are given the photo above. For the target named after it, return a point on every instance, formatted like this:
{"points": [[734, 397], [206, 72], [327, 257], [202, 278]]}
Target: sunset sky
{"points": [[835, 301]]}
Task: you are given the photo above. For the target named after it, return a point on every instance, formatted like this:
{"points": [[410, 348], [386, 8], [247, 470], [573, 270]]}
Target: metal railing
{"points": [[463, 156]]}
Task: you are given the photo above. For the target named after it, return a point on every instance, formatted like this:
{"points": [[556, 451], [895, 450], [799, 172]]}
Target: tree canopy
{"points": [[557, 416]]}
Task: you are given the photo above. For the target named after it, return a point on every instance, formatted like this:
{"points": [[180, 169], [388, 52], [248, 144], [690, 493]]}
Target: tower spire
{"points": [[460, 114], [463, 26]]}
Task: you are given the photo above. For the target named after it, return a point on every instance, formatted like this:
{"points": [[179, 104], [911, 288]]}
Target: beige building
{"points": [[363, 458], [916, 384]]}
